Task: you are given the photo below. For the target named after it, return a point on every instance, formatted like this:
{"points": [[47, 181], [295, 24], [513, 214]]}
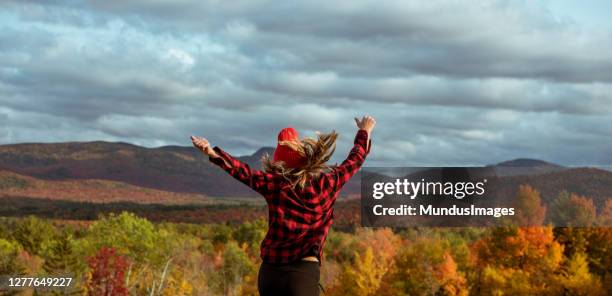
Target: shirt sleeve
{"points": [[259, 181], [361, 148]]}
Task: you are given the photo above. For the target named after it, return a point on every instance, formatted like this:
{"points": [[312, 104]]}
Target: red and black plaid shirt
{"points": [[298, 218]]}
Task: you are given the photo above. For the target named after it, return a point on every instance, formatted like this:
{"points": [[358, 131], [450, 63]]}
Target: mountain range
{"points": [[106, 172], [169, 168]]}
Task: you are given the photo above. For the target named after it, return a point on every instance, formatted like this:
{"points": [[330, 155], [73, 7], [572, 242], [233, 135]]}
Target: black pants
{"points": [[296, 278]]}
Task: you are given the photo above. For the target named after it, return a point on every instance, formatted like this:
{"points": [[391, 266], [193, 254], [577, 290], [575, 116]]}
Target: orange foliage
{"points": [[527, 248], [530, 211]]}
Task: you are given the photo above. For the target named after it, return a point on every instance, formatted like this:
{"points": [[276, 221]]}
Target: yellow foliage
{"points": [[177, 285], [506, 281], [249, 287], [577, 280], [364, 276]]}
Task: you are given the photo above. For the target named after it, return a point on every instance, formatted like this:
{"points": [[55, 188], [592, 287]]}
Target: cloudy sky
{"points": [[450, 82]]}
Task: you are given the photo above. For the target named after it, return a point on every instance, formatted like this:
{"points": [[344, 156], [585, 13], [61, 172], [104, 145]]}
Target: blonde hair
{"points": [[316, 153]]}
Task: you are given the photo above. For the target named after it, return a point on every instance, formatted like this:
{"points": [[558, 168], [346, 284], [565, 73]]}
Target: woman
{"points": [[300, 190]]}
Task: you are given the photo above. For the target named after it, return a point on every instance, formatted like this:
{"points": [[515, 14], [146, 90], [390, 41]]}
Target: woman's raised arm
{"points": [[256, 179], [342, 173]]}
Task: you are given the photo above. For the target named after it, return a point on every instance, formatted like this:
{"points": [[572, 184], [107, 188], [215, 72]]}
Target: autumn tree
{"points": [[572, 210], [599, 252], [576, 279], [9, 252], [529, 208], [177, 284], [594, 242], [425, 266], [366, 257], [364, 276], [516, 261], [605, 216], [34, 234], [518, 247], [9, 263], [107, 277], [234, 267]]}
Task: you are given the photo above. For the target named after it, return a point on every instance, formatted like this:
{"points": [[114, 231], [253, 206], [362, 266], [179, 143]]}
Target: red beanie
{"points": [[284, 153]]}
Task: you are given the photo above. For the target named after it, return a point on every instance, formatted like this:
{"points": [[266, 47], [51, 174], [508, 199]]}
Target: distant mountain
{"points": [[525, 166], [254, 160], [525, 162], [169, 168], [590, 182], [184, 170]]}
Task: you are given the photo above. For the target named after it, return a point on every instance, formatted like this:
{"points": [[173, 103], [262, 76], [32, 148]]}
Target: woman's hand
{"points": [[366, 123], [204, 146]]}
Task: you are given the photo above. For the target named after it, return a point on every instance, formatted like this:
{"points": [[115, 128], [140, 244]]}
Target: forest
{"points": [[125, 253]]}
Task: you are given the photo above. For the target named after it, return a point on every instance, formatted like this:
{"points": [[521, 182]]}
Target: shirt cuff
{"points": [[220, 160]]}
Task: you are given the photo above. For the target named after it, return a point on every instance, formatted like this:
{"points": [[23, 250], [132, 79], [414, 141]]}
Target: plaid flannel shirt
{"points": [[298, 218]]}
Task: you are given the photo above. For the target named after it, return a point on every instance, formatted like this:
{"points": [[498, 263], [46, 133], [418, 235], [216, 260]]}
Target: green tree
{"points": [[62, 260], [251, 234], [9, 262], [221, 234], [234, 267], [572, 210], [128, 234], [339, 246], [5, 228], [61, 257], [34, 234]]}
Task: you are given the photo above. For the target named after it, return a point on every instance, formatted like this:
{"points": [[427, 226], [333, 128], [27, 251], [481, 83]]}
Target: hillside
{"points": [[93, 191], [171, 168], [591, 182]]}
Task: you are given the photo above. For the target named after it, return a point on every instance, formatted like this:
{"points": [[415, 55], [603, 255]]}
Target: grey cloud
{"points": [[527, 95], [439, 38], [448, 84]]}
